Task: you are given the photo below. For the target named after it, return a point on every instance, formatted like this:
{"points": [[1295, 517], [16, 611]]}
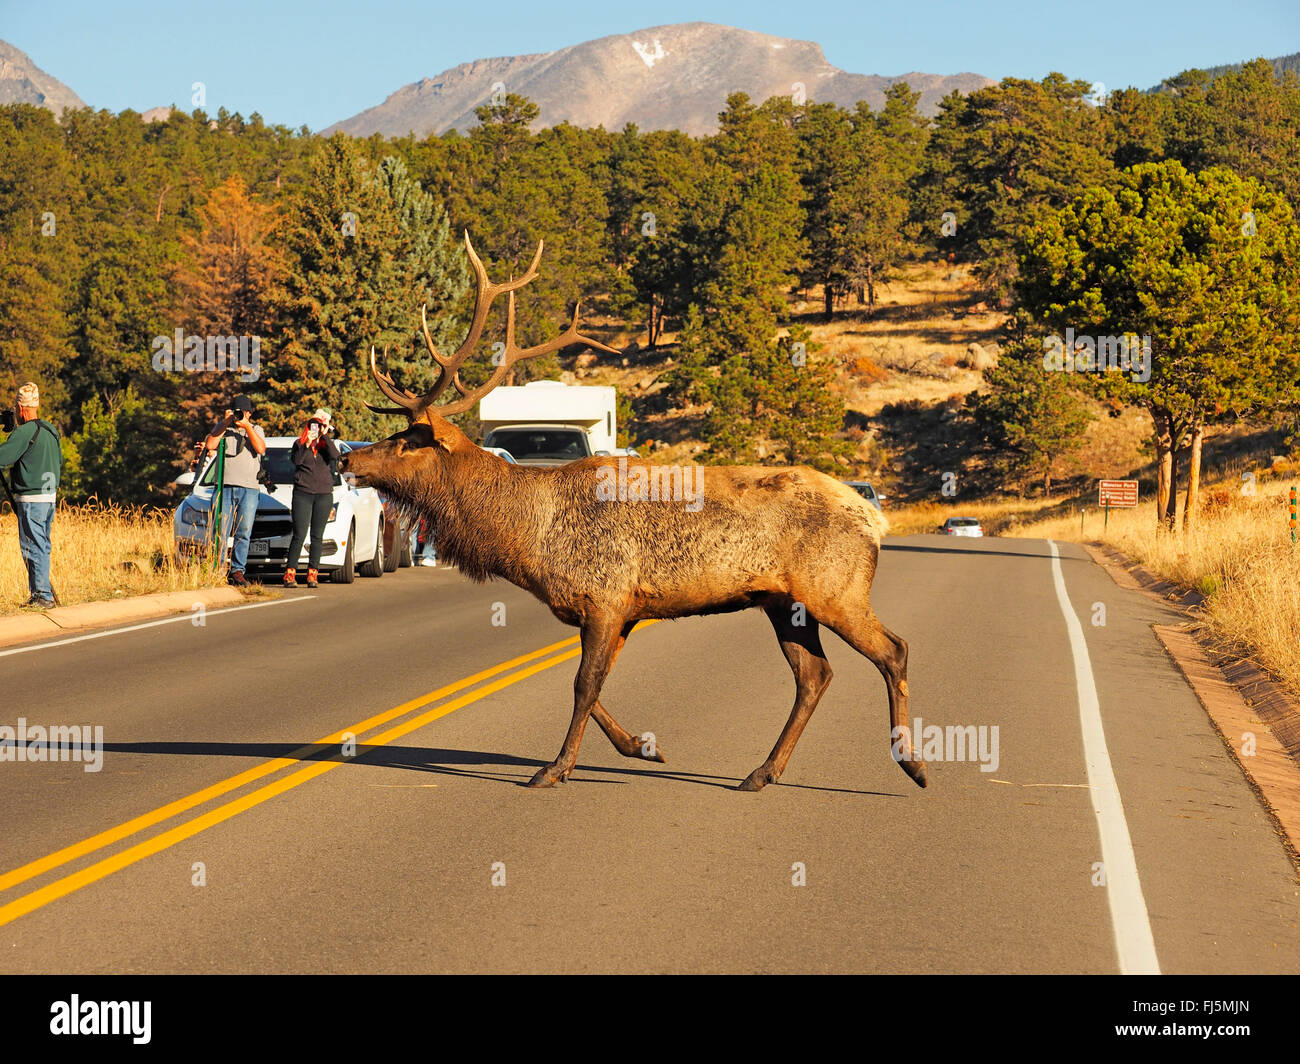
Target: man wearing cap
{"points": [[245, 446], [33, 450]]}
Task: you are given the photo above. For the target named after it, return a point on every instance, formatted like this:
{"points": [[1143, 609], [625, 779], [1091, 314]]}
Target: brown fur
{"points": [[772, 539]]}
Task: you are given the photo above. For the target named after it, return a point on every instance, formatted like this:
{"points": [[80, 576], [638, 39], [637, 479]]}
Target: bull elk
{"points": [[793, 542]]}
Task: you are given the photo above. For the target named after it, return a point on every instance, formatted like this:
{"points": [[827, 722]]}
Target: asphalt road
{"points": [[217, 838]]}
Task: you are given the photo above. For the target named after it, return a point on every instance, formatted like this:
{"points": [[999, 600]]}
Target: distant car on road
{"points": [[867, 492], [354, 534], [961, 526]]}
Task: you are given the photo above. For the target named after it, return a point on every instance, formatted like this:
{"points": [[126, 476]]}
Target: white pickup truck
{"points": [[550, 423]]}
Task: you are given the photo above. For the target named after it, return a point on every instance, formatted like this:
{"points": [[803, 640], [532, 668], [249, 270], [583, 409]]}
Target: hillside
{"points": [[1280, 65]]}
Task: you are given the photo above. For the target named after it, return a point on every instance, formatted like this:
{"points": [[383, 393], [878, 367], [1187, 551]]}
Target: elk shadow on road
{"points": [[917, 549], [443, 761]]}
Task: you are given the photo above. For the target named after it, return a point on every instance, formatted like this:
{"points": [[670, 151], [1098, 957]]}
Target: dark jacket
{"points": [[313, 471], [34, 446]]}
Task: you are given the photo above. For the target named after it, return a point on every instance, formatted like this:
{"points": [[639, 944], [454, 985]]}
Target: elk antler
{"points": [[486, 293]]}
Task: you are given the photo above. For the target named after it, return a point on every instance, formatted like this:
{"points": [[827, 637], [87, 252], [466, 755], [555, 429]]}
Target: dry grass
{"points": [[908, 348], [101, 552], [1238, 554], [915, 338]]}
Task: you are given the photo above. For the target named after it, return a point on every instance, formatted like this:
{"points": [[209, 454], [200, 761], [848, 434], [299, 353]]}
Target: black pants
{"points": [[313, 508]]}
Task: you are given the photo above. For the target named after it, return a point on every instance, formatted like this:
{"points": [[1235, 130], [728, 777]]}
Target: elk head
{"points": [[423, 448]]}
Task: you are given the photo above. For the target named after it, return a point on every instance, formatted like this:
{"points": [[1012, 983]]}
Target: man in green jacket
{"points": [[33, 450]]}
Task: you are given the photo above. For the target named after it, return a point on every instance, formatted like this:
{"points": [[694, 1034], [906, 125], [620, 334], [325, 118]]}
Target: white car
{"points": [[961, 526], [354, 535]]}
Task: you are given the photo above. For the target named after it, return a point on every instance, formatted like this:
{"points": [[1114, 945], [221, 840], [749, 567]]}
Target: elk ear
{"points": [[422, 434]]}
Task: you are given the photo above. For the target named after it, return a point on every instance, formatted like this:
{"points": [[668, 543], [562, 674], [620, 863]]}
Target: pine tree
{"points": [[1005, 153], [358, 273], [1207, 268], [1030, 418]]}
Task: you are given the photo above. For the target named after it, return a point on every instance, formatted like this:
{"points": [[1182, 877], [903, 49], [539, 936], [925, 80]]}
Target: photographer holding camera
{"points": [[313, 455], [245, 445], [33, 450]]}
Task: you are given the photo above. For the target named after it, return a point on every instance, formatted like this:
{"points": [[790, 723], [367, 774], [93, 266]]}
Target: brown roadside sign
{"points": [[1117, 493]]}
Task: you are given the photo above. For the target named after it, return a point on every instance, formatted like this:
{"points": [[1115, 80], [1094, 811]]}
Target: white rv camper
{"points": [[549, 422]]}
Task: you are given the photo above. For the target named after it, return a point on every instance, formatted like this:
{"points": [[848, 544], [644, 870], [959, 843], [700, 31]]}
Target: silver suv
{"points": [[867, 492]]}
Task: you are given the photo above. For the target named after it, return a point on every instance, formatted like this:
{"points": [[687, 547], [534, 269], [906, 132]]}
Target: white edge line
{"points": [[147, 624], [1128, 910]]}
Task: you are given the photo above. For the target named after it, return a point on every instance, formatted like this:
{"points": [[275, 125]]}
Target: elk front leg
{"points": [[623, 741], [600, 641]]}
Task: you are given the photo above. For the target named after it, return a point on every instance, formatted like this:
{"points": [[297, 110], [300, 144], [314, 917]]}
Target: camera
{"points": [[7, 420]]}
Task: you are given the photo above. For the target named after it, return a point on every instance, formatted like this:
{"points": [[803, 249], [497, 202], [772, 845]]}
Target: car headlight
{"points": [[334, 512]]}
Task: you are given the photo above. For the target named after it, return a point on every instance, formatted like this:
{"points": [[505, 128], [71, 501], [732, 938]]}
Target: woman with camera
{"points": [[313, 456]]}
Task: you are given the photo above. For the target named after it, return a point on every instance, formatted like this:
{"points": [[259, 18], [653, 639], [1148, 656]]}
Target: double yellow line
{"points": [[21, 906]]}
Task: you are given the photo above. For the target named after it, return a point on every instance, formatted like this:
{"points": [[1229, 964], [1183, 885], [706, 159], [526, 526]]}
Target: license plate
{"points": [[259, 547]]}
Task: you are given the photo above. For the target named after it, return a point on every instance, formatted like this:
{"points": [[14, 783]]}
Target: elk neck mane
{"points": [[487, 515]]}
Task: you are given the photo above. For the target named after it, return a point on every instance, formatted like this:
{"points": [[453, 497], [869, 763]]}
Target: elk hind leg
{"points": [[888, 652], [802, 646]]}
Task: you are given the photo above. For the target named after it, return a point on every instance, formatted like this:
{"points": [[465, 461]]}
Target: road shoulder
{"points": [[1257, 719], [32, 627]]}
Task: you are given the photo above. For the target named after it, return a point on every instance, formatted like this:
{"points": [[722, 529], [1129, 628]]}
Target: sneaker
{"points": [[311, 578], [431, 563], [35, 603], [236, 579], [290, 578]]}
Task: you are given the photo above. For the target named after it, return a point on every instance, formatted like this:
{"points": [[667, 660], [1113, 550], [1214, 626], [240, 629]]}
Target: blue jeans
{"points": [[34, 521], [239, 505]]}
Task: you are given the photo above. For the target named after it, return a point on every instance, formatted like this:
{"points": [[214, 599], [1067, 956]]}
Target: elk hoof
{"points": [[757, 780], [544, 778], [915, 769], [550, 776]]}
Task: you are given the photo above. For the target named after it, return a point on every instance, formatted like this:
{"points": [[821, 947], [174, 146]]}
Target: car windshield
{"points": [[963, 522], [865, 490], [540, 443]]}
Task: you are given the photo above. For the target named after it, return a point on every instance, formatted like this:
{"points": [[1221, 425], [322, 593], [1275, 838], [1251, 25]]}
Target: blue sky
{"points": [[314, 63]]}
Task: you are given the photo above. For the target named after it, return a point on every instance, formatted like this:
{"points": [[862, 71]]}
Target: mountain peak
{"points": [[22, 81], [675, 76]]}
